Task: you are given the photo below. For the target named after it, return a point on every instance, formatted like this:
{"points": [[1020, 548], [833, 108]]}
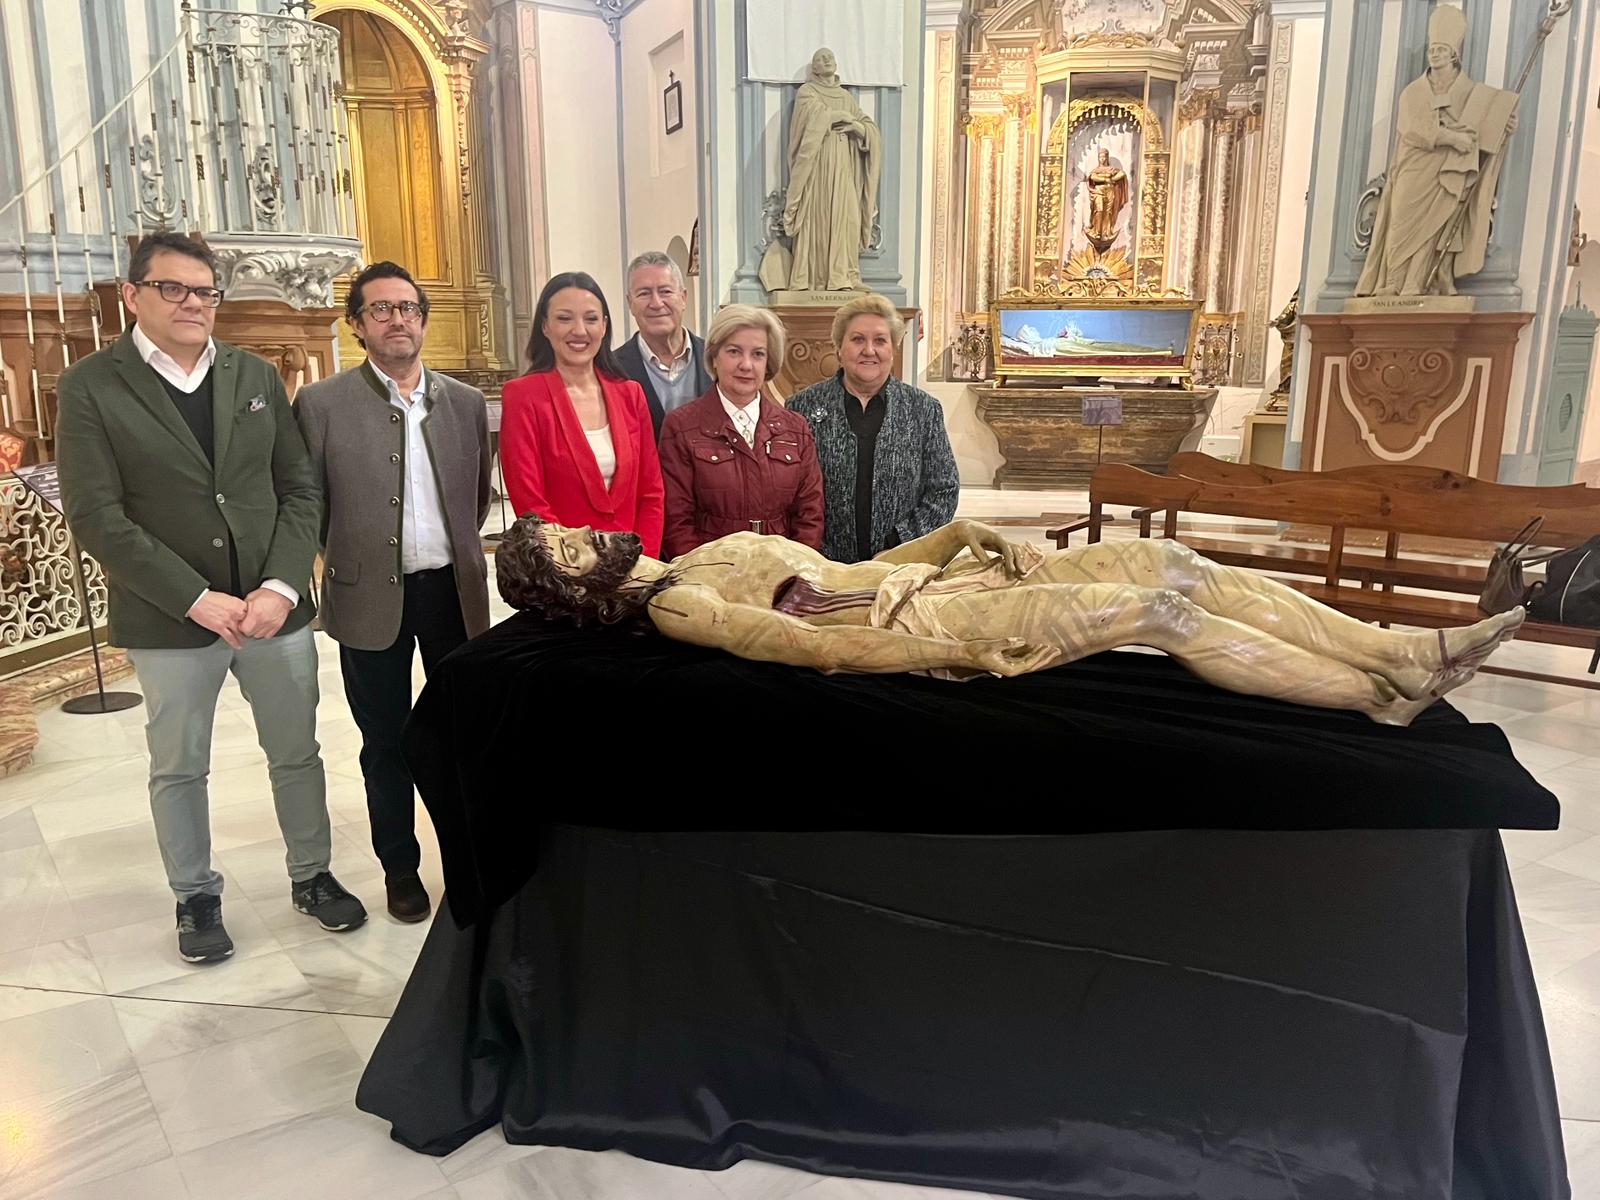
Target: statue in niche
{"points": [[963, 601], [835, 154], [1432, 226], [1108, 195]]}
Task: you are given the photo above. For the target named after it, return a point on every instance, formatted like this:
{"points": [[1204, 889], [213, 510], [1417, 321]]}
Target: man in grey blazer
{"points": [[403, 456]]}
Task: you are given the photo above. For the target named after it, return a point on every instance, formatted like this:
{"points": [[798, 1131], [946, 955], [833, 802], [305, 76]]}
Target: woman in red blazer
{"points": [[734, 461], [576, 443]]}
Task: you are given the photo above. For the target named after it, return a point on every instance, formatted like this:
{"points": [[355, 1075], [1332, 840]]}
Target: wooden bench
{"points": [[1414, 501], [1391, 569]]}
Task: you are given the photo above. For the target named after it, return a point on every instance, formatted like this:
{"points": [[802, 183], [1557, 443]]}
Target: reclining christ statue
{"points": [[963, 601]]}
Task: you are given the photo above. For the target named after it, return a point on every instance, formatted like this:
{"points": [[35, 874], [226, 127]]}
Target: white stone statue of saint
{"points": [[835, 153], [1432, 226]]}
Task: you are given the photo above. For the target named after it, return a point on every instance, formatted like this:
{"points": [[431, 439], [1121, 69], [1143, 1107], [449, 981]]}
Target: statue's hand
{"points": [[981, 540], [1511, 123], [1008, 657]]}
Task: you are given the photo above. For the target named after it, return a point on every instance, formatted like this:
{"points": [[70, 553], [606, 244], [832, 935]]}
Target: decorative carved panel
{"points": [[1429, 389]]}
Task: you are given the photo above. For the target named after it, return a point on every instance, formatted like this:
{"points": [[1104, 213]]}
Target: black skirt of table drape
{"points": [[533, 723], [1228, 1015]]}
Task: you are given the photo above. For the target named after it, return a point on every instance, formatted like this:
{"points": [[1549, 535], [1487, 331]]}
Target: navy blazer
{"points": [[629, 358]]}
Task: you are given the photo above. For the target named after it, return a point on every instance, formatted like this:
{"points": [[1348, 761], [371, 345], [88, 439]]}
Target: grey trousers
{"points": [[278, 676]]}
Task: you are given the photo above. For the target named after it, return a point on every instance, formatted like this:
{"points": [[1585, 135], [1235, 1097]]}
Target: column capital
{"points": [[944, 15]]}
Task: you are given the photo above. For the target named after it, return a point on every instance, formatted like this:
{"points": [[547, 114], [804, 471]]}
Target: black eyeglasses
{"points": [[382, 310], [177, 293]]}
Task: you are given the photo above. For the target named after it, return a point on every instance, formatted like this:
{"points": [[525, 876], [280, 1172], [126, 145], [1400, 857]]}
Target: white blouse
{"points": [[605, 454]]}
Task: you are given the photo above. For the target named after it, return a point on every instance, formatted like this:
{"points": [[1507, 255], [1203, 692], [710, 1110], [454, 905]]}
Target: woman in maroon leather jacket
{"points": [[733, 460]]}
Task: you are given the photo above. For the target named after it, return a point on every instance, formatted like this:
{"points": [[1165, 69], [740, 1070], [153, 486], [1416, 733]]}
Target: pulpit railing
{"points": [[237, 133]]}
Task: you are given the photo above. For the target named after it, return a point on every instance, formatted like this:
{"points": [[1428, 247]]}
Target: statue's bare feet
{"points": [[1450, 657], [1392, 708]]}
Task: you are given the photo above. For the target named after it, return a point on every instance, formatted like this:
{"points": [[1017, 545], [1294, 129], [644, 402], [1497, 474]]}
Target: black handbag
{"points": [[1570, 591]]}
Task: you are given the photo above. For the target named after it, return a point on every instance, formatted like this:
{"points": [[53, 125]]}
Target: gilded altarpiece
{"points": [[410, 85], [1105, 153]]}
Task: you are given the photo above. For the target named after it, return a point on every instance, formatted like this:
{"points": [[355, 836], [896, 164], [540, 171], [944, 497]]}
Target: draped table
{"points": [[1101, 931]]}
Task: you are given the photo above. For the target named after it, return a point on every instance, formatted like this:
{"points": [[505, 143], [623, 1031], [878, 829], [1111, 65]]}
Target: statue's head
{"points": [[824, 66], [1105, 157], [1447, 31], [580, 575]]}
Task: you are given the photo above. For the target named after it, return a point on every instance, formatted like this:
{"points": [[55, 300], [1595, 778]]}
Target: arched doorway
{"points": [[394, 144]]}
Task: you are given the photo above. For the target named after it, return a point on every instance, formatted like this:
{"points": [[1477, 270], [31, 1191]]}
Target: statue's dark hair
{"points": [[530, 579]]}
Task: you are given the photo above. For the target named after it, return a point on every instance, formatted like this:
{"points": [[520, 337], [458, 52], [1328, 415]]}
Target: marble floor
{"points": [[126, 1074]]}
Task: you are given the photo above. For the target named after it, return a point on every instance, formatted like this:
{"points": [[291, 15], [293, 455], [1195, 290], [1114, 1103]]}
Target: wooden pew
{"points": [[1391, 569], [1435, 504]]}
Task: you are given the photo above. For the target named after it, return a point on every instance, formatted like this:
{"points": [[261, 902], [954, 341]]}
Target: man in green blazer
{"points": [[184, 474]]}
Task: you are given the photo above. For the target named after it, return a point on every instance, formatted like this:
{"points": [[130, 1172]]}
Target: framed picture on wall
{"points": [[672, 104]]}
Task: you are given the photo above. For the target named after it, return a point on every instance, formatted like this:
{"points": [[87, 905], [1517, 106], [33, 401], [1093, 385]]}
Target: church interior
{"points": [[1268, 325]]}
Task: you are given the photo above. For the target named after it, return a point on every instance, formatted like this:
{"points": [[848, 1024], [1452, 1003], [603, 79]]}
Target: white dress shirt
{"points": [[164, 365], [424, 537], [744, 417]]}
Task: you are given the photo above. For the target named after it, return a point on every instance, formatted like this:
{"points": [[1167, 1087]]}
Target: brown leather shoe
{"points": [[408, 899]]}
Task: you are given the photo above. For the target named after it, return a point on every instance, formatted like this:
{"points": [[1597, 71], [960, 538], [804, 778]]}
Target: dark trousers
{"points": [[377, 684]]}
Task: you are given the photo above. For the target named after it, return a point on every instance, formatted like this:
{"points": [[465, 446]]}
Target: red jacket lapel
{"points": [[578, 442]]}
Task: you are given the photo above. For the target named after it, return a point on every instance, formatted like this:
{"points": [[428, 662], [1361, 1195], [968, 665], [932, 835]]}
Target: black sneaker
{"points": [[334, 908], [201, 937], [408, 899]]}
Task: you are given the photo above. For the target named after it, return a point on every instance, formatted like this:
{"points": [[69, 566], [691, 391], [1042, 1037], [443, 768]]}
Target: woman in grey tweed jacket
{"points": [[908, 486]]}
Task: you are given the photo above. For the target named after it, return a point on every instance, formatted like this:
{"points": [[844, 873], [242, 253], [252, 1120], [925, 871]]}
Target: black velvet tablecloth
{"points": [[1100, 932]]}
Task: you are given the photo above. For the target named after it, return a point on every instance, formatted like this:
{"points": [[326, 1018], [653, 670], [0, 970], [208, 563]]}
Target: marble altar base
{"points": [[1047, 445]]}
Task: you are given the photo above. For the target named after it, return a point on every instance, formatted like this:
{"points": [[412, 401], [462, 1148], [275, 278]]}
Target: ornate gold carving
{"points": [[1197, 105], [1051, 199], [978, 126], [1214, 347], [1112, 106], [1057, 287], [1117, 40]]}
